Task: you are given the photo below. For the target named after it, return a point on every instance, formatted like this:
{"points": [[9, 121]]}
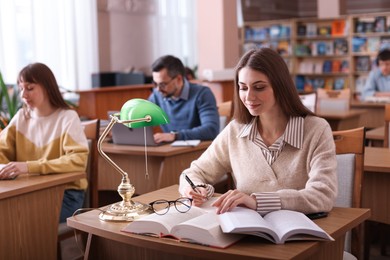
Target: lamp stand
{"points": [[127, 209]]}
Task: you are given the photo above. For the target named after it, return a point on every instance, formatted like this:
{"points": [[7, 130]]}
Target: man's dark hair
{"points": [[173, 65], [384, 55]]}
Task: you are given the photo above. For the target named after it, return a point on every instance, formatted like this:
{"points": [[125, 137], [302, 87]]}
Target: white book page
{"points": [[288, 223], [161, 224], [204, 230], [248, 221]]}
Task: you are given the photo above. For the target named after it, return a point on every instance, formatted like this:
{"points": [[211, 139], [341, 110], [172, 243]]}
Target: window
{"points": [[62, 34]]}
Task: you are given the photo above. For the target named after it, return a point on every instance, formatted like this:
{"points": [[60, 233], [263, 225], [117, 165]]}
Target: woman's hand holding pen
{"points": [[232, 199], [199, 195]]}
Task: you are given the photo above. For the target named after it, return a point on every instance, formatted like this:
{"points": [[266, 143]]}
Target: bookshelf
{"points": [[332, 53], [278, 35], [369, 32]]}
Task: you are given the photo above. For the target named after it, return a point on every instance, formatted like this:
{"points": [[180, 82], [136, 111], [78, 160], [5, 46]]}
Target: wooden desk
{"points": [[374, 116], [376, 136], [30, 212], [342, 120], [106, 241], [96, 102], [165, 164], [376, 183]]}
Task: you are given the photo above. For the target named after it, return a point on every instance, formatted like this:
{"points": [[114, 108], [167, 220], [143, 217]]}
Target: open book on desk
{"points": [[277, 226], [197, 226]]}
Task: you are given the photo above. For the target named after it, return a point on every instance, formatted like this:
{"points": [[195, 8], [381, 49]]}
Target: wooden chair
{"points": [[333, 100], [225, 110], [350, 158], [91, 130]]}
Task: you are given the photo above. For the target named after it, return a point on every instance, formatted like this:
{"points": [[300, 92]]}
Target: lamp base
{"points": [[122, 212]]}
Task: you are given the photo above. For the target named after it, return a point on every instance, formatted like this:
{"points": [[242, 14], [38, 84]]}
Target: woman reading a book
{"points": [[280, 155]]}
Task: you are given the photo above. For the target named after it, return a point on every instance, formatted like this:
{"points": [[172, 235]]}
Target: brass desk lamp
{"points": [[135, 113]]}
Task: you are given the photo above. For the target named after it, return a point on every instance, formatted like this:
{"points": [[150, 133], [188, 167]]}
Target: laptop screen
{"points": [[121, 134]]}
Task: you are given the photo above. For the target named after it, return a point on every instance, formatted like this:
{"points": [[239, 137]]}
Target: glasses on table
{"points": [[161, 207], [163, 85]]}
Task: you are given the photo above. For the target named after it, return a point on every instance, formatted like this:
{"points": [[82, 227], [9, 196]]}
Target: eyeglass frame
{"points": [[163, 85], [169, 205]]}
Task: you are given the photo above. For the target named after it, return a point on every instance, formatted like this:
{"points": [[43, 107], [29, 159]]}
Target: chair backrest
{"points": [[225, 110], [309, 100], [350, 168], [91, 130], [333, 100], [386, 142]]}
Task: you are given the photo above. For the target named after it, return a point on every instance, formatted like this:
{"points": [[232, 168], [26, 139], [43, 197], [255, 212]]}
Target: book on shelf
{"points": [[340, 46], [344, 66], [380, 24], [274, 31], [336, 66], [198, 226], [278, 226], [301, 30], [285, 31], [311, 29], [324, 30], [328, 84], [283, 47], [321, 48], [338, 27], [300, 83], [363, 63], [373, 44], [340, 83], [327, 66], [318, 83], [359, 44]]}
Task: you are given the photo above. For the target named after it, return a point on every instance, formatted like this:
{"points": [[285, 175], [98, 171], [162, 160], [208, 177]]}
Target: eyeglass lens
{"points": [[161, 207], [163, 85]]}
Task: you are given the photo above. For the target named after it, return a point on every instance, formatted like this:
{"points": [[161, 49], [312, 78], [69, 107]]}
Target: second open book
{"points": [[204, 226]]}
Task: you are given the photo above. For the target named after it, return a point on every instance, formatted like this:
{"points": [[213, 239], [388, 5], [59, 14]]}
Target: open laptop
{"points": [[121, 134]]}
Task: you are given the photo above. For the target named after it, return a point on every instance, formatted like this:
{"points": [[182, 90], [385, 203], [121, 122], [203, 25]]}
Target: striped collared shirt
{"points": [[293, 135]]}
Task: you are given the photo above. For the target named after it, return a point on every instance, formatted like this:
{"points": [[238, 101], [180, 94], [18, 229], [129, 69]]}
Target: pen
{"points": [[190, 182]]}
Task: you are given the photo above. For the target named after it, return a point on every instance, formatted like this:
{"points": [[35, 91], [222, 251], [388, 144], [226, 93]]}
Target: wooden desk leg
{"points": [[88, 246]]}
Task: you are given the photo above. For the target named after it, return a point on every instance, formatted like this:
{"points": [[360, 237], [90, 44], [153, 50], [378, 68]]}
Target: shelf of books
{"points": [[277, 35], [324, 53], [370, 32], [321, 54]]}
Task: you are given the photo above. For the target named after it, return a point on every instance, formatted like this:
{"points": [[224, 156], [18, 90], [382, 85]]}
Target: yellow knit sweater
{"points": [[51, 144]]}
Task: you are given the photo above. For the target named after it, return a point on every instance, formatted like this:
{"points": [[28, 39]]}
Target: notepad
{"points": [[186, 143]]}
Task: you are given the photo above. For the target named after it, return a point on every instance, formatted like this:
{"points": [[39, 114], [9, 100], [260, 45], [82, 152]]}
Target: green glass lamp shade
{"points": [[138, 108]]}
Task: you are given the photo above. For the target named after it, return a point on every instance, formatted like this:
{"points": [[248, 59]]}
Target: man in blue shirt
{"points": [[191, 108], [378, 81]]}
